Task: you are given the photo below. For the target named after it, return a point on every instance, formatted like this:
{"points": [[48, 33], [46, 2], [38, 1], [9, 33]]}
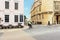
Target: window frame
{"points": [[15, 18], [6, 18], [6, 4], [57, 5], [16, 5], [21, 18]]}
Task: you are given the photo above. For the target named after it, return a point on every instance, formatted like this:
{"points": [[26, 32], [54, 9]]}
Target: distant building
{"points": [[45, 12], [11, 12]]}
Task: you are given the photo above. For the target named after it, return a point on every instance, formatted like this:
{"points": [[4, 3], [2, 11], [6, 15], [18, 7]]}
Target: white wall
{"points": [[11, 11]]}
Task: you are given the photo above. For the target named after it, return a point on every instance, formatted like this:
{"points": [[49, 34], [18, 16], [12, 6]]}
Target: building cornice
{"points": [[38, 13], [33, 7]]}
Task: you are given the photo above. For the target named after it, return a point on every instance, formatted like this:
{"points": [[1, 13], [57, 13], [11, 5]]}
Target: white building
{"points": [[11, 12]]}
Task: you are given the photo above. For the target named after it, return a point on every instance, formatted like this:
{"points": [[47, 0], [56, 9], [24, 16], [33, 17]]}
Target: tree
{"points": [[25, 18]]}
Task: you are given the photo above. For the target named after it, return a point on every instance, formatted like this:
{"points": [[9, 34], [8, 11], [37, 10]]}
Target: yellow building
{"points": [[45, 12]]}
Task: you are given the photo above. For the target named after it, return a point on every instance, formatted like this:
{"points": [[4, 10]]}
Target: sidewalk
{"points": [[14, 29], [16, 35]]}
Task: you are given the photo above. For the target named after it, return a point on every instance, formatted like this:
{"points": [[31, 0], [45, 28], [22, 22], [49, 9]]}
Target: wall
{"points": [[11, 11]]}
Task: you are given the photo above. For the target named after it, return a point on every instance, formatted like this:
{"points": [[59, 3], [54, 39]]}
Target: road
{"points": [[45, 32], [38, 32], [48, 36]]}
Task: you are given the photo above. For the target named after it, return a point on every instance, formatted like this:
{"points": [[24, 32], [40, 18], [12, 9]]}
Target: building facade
{"points": [[46, 12], [11, 12]]}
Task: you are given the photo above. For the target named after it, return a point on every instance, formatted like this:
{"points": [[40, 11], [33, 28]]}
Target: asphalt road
{"points": [[40, 32], [48, 36]]}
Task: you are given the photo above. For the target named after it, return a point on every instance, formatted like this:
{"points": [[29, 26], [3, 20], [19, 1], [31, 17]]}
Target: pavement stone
{"points": [[14, 34]]}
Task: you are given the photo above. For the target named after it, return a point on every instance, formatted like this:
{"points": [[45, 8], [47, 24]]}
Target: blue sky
{"points": [[27, 7]]}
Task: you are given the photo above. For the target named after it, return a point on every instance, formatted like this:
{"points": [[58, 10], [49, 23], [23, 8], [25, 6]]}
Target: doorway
{"points": [[57, 19]]}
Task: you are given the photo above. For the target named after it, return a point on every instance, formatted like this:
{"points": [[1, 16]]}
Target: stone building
{"points": [[45, 12]]}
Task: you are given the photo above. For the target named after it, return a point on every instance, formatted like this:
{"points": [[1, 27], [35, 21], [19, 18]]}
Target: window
{"points": [[57, 5], [6, 4], [16, 6], [16, 18], [6, 18], [21, 18], [40, 8], [39, 16], [42, 16]]}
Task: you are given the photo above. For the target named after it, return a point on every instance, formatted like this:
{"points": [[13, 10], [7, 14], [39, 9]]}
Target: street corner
{"points": [[25, 27]]}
